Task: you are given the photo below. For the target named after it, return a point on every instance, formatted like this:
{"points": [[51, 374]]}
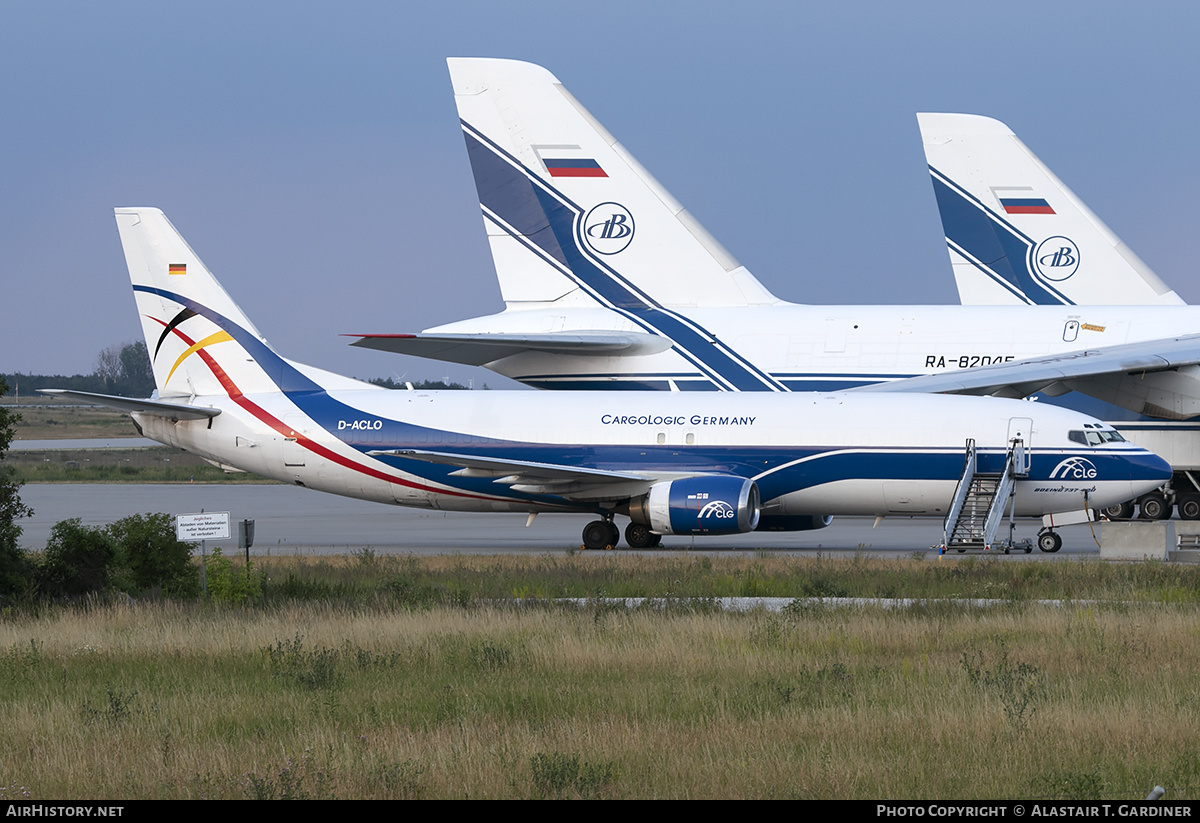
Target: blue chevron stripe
{"points": [[990, 243], [544, 219]]}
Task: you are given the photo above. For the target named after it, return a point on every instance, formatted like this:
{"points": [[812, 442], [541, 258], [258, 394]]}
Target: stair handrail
{"points": [[1016, 464], [960, 493]]}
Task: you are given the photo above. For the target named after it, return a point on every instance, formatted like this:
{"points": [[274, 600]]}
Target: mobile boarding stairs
{"points": [[980, 501]]}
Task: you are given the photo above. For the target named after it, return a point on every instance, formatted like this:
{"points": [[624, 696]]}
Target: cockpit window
{"points": [[1095, 437]]}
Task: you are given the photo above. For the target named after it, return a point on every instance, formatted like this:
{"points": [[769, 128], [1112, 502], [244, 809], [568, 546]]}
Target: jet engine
{"points": [[720, 504]]}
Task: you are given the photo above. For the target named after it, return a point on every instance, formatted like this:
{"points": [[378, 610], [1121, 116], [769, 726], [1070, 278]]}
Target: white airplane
{"points": [[609, 283], [715, 463]]}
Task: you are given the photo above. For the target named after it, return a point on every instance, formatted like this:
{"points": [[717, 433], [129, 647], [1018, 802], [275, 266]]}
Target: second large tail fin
{"points": [[570, 213], [1016, 234], [199, 341]]}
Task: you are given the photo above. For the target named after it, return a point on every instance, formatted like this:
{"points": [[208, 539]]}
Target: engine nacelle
{"points": [[792, 522], [721, 504]]}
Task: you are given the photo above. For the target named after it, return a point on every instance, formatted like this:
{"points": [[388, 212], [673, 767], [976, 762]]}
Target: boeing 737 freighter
{"points": [[609, 283], [716, 463]]}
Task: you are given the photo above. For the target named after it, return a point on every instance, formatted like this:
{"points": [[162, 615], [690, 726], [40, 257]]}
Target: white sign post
{"points": [[203, 526]]}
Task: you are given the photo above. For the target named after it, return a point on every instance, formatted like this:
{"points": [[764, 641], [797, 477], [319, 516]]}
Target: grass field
{"points": [[457, 677], [52, 419], [156, 464], [47, 418]]}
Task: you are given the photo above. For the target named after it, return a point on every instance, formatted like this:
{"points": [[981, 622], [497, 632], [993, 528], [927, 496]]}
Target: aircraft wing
{"points": [[480, 349], [571, 482], [174, 411], [1138, 376]]}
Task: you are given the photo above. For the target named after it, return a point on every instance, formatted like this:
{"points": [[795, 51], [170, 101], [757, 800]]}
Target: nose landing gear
{"points": [[1049, 541]]}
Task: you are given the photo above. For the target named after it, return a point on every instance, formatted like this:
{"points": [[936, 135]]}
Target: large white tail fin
{"points": [[200, 342], [570, 214], [1016, 234]]}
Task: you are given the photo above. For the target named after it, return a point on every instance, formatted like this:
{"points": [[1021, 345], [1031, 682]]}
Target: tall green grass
{"points": [[428, 686], [316, 702], [366, 578]]}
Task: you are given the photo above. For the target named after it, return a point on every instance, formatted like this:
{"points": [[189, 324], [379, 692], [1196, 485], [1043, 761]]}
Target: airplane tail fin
{"points": [[1016, 234], [199, 341], [569, 213]]}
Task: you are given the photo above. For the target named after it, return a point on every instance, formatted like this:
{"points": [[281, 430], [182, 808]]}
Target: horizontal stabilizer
{"points": [[480, 349], [175, 411]]}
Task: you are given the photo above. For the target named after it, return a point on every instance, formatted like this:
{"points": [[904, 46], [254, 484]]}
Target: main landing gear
{"points": [[601, 534], [640, 537], [604, 534]]}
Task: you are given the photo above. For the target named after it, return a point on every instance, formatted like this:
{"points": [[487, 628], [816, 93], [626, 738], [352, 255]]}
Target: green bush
{"points": [[16, 568], [229, 584], [154, 556], [135, 555], [78, 560]]}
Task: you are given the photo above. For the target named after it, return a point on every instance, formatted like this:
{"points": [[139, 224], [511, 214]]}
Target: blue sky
{"points": [[310, 152]]}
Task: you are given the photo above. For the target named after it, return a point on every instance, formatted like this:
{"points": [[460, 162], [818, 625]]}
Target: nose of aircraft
{"points": [[1147, 471]]}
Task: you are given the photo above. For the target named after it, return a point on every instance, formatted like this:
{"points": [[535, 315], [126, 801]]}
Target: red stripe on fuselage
{"points": [[235, 394]]}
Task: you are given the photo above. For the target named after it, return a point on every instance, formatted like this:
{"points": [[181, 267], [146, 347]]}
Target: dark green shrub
{"points": [[154, 557], [78, 560]]}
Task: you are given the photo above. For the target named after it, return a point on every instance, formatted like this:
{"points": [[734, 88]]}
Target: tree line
{"points": [[122, 369]]}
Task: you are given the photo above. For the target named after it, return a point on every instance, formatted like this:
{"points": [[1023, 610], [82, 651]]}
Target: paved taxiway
{"points": [[289, 518]]}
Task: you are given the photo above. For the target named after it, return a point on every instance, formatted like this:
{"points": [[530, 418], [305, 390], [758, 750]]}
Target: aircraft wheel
{"points": [[1189, 507], [598, 535], [1049, 542], [640, 537], [614, 534], [1119, 511], [1154, 506]]}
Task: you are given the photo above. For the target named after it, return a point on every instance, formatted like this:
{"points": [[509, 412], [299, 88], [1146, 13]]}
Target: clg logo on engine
{"points": [[1075, 468], [608, 228], [1056, 258], [718, 509]]}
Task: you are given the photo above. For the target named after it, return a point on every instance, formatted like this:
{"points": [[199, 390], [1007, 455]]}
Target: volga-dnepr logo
{"points": [[608, 228], [1056, 258]]}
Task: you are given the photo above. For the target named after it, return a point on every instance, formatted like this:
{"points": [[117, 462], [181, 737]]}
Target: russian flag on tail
{"points": [[1025, 205], [573, 167]]}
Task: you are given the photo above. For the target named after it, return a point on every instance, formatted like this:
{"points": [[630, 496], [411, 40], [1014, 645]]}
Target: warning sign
{"points": [[204, 526]]}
